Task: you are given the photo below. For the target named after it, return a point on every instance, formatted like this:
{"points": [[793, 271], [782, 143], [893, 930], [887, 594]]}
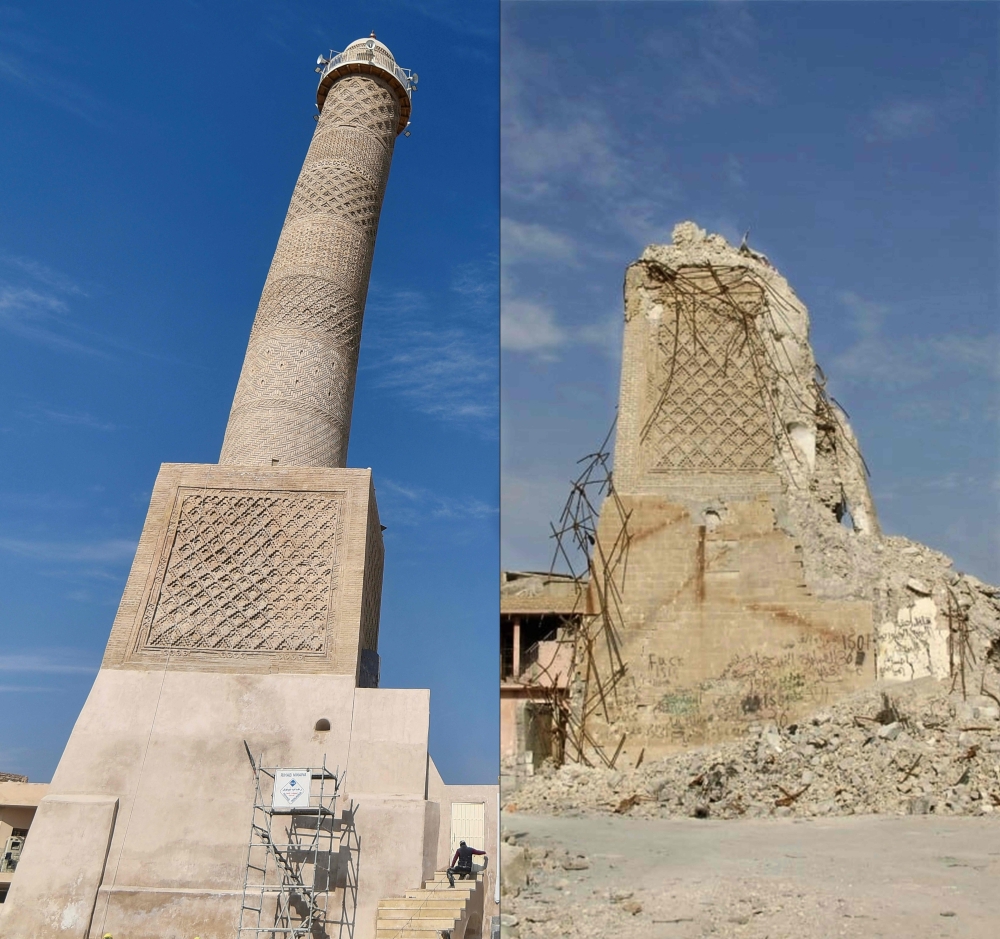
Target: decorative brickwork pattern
{"points": [[246, 571], [295, 395], [707, 385], [311, 305]]}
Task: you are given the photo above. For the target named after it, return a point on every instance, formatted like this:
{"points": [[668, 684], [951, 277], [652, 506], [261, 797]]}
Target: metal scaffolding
{"points": [[593, 629], [302, 861]]}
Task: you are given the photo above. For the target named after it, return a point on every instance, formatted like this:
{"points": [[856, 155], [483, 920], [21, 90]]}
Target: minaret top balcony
{"points": [[367, 57]]}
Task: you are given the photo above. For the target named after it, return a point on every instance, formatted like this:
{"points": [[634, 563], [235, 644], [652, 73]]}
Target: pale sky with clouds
{"points": [[857, 141]]}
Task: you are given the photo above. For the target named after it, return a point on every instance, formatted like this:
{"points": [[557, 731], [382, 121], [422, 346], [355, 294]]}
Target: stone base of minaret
{"points": [[719, 628], [249, 621]]}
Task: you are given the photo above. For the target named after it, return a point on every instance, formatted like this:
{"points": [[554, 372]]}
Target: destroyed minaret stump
{"points": [[296, 391], [249, 622], [725, 439]]}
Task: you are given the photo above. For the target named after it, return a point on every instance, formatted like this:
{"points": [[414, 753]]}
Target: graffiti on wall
{"points": [[669, 702], [915, 645]]}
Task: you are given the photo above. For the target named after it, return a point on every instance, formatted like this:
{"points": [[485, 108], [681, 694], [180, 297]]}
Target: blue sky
{"points": [[857, 141], [149, 153]]}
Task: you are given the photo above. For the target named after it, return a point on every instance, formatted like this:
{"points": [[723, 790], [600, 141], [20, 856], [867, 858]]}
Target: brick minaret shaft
{"points": [[296, 390]]}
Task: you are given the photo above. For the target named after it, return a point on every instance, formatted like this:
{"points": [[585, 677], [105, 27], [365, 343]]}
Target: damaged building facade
{"points": [[737, 572]]}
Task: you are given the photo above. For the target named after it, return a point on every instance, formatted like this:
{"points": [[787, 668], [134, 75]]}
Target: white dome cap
{"points": [[371, 57]]}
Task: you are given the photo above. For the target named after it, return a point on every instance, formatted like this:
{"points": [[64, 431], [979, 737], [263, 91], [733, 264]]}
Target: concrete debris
{"points": [[514, 867], [914, 749]]}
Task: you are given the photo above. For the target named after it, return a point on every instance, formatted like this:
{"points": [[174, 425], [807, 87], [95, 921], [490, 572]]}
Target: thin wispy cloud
{"points": [[541, 158], [26, 63], [713, 63], [41, 317], [530, 242], [530, 504], [414, 505], [52, 662], [905, 360], [529, 327], [901, 120], [442, 373], [41, 312], [532, 328], [604, 334], [476, 286], [43, 274], [111, 550], [440, 358], [959, 94], [545, 141], [552, 143], [72, 418], [529, 324], [38, 310], [734, 172], [460, 17]]}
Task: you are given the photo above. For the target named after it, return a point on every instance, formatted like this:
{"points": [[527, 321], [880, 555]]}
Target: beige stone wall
{"points": [[296, 390], [16, 795], [510, 707], [144, 832], [444, 795], [721, 631], [253, 569]]}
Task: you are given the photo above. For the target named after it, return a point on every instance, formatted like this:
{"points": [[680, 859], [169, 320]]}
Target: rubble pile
{"points": [[916, 748], [890, 570]]}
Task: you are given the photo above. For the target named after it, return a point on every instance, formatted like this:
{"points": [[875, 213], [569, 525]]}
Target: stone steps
{"points": [[434, 910]]}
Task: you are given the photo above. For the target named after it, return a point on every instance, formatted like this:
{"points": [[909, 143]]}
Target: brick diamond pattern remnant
{"points": [[707, 395], [247, 572]]}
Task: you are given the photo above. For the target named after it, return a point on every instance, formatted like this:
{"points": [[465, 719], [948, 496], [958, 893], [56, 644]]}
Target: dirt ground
{"points": [[865, 876]]}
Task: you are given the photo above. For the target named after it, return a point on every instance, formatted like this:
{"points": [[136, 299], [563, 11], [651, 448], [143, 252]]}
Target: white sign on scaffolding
{"points": [[291, 790]]}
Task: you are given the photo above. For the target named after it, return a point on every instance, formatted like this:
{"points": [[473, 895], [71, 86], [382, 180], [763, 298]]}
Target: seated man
{"points": [[461, 863]]}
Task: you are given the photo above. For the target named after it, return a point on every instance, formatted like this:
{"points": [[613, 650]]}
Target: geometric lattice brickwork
{"points": [[295, 395], [709, 379], [246, 571]]}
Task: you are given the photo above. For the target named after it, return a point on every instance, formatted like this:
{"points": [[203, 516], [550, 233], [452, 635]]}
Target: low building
{"points": [[539, 616], [18, 801]]}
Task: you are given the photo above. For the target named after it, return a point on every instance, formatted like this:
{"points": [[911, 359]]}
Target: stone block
{"points": [[513, 869], [61, 868]]}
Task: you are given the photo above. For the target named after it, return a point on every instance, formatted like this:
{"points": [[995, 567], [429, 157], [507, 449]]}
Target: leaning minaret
{"points": [[296, 391], [249, 624]]}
